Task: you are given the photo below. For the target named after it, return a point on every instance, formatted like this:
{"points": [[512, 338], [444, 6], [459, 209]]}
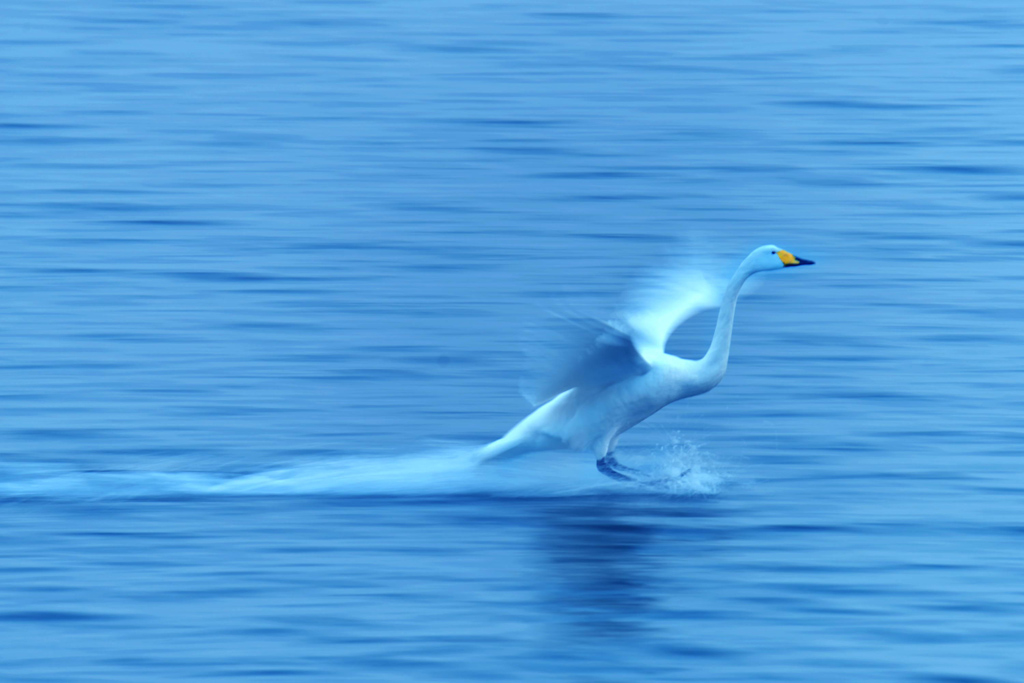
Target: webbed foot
{"points": [[611, 467]]}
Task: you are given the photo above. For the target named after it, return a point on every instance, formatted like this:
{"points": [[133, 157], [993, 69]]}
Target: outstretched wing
{"points": [[664, 303], [587, 354]]}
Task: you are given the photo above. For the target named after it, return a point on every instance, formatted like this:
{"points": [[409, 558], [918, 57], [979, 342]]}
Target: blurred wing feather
{"points": [[666, 302], [588, 355]]}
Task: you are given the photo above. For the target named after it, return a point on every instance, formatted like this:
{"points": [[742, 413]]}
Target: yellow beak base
{"points": [[790, 260]]}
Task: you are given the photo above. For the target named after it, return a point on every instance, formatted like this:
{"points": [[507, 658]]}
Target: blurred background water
{"points": [[266, 272]]}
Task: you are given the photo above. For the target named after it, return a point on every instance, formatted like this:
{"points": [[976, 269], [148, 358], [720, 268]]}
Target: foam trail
{"points": [[91, 485], [450, 471]]}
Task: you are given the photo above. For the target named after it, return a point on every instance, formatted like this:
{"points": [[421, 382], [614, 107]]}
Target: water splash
{"points": [[681, 467]]}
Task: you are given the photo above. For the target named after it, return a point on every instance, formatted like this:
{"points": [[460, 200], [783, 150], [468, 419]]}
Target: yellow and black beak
{"points": [[790, 260]]}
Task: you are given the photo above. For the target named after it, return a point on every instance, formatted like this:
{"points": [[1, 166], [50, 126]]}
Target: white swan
{"points": [[623, 376]]}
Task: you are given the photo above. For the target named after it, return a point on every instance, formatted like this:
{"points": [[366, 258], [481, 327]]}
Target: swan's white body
{"points": [[636, 378]]}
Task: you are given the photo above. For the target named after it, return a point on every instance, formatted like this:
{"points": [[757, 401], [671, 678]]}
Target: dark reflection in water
{"points": [[601, 579], [605, 561]]}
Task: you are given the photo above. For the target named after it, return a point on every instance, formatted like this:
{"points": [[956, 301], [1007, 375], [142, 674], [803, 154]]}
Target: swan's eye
{"points": [[775, 252]]}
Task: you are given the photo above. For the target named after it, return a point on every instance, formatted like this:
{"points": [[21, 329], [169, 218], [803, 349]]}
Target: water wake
{"points": [[677, 469]]}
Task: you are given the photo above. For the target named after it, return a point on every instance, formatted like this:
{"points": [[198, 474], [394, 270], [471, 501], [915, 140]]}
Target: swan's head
{"points": [[770, 257]]}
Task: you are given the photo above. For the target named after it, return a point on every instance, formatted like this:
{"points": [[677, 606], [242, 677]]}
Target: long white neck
{"points": [[716, 359]]}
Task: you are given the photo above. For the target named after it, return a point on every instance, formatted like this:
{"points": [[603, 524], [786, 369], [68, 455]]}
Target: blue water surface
{"points": [[269, 269]]}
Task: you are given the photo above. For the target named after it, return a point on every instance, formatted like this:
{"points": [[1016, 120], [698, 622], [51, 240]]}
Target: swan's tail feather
{"points": [[509, 447]]}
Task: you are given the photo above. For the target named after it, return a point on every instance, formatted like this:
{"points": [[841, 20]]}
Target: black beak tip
{"points": [[804, 262]]}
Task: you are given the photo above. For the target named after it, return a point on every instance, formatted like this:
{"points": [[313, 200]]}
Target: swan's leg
{"points": [[610, 467]]}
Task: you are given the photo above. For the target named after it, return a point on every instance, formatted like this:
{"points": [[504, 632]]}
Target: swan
{"points": [[623, 375]]}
